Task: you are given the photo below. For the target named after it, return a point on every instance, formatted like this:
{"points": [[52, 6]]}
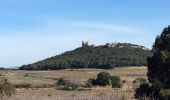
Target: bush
{"points": [[165, 94], [67, 84], [6, 88], [103, 79], [71, 86], [26, 75], [147, 91], [152, 93], [90, 82], [116, 82], [26, 86], [61, 81], [140, 81]]}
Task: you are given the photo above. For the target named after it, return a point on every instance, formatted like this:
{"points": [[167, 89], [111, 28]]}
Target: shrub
{"points": [[26, 86], [165, 94], [152, 93], [116, 82], [147, 91], [6, 88], [71, 86], [90, 82], [67, 84], [26, 75], [140, 81], [61, 81], [103, 79]]}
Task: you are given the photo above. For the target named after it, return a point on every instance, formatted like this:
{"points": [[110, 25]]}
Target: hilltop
{"points": [[105, 56]]}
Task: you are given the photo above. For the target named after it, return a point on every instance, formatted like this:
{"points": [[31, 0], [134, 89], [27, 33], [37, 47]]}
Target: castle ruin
{"points": [[86, 44]]}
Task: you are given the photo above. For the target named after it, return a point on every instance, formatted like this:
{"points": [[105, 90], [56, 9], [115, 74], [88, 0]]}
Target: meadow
{"points": [[42, 84]]}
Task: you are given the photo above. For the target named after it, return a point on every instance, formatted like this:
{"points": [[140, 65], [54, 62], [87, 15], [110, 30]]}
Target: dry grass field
{"points": [[48, 78]]}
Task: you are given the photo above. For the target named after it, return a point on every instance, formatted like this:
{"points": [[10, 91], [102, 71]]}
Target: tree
{"points": [[103, 78], [158, 70], [159, 62]]}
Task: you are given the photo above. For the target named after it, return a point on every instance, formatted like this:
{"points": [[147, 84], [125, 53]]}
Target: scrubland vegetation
{"points": [[47, 85]]}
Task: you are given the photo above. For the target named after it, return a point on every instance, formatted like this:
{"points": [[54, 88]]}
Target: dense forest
{"points": [[88, 56]]}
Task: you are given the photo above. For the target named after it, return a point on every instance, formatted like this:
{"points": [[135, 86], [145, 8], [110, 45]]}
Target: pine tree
{"points": [[159, 62]]}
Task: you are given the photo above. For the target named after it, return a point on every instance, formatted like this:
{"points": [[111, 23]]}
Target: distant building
{"points": [[86, 44]]}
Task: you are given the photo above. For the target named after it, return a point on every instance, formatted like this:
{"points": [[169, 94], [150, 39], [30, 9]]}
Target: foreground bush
{"points": [[116, 82], [147, 91], [150, 92], [6, 88]]}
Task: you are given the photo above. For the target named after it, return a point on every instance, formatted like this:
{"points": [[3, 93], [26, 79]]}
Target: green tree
{"points": [[103, 78], [158, 70], [159, 62]]}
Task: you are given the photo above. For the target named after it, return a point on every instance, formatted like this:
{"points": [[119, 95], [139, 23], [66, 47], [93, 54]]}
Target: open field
{"points": [[49, 78]]}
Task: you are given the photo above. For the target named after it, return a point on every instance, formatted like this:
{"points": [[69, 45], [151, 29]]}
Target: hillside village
{"points": [[115, 44]]}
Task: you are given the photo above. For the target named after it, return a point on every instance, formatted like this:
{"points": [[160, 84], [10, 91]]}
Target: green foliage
{"points": [[151, 92], [6, 88], [116, 82], [61, 81], [140, 81], [147, 91], [158, 70], [90, 82], [103, 79], [94, 57], [158, 63], [165, 94]]}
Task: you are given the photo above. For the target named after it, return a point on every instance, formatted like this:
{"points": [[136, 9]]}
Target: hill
{"points": [[88, 56]]}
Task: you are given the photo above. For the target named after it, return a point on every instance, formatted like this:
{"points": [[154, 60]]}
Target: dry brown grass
{"points": [[50, 94], [39, 78]]}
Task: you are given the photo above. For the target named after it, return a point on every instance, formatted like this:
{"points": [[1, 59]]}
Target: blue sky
{"points": [[32, 30]]}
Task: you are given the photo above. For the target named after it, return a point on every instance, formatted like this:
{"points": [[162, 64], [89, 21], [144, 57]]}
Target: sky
{"points": [[32, 30]]}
